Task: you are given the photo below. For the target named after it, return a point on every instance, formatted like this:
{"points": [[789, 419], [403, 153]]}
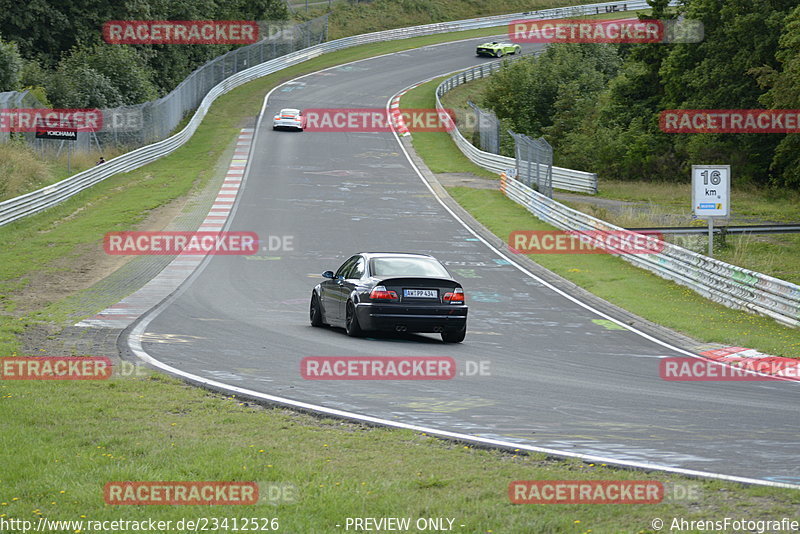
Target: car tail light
{"points": [[456, 297], [380, 293]]}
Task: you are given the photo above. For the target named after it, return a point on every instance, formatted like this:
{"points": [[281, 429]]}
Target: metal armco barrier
{"points": [[36, 201], [729, 285], [725, 230], [566, 179]]}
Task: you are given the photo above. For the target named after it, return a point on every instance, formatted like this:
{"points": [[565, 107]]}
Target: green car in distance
{"points": [[495, 49]]}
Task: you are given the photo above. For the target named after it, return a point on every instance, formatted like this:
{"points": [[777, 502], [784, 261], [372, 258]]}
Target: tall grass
{"points": [[21, 170], [24, 169]]}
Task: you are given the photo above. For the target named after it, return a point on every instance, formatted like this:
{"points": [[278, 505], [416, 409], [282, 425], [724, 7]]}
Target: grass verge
{"points": [[669, 204], [23, 169], [608, 277], [66, 440]]}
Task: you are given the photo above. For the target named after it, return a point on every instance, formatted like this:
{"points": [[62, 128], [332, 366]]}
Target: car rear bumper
{"points": [[409, 318], [294, 125]]}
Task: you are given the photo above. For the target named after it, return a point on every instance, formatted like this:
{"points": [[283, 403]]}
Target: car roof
{"points": [[370, 255], [290, 111]]}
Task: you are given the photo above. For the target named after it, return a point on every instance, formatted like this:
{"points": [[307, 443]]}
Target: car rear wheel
{"points": [[315, 311], [499, 53], [351, 321], [517, 50], [454, 336]]}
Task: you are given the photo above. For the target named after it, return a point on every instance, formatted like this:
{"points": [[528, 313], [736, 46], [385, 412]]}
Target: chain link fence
{"points": [[486, 134], [142, 124], [534, 163], [18, 100]]}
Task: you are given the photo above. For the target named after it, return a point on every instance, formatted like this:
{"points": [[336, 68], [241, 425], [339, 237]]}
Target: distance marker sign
{"points": [[711, 190]]}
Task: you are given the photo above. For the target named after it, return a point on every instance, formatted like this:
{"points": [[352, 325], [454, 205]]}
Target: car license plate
{"points": [[421, 293]]}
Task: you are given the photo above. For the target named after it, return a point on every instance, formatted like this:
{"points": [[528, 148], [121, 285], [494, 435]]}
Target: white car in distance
{"points": [[288, 118]]}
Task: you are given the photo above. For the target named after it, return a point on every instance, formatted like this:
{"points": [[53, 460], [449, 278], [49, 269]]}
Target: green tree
{"points": [[784, 93], [741, 37], [81, 87], [32, 74], [539, 95], [620, 138], [47, 30], [121, 65], [603, 117], [10, 66]]}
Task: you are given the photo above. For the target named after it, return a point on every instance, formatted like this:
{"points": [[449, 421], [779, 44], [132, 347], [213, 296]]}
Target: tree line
{"points": [[55, 48], [599, 104]]}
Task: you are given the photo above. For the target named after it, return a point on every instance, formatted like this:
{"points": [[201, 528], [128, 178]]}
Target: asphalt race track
{"points": [[558, 379]]}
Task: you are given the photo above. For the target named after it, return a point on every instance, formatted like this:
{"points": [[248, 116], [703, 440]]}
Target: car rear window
{"points": [[407, 267]]}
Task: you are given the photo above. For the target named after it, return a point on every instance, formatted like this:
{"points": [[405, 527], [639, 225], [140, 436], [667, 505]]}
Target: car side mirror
{"points": [[327, 274]]}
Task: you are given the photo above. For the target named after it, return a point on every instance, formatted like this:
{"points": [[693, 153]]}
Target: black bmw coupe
{"points": [[391, 292]]}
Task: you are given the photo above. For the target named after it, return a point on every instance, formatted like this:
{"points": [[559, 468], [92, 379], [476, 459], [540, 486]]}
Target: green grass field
{"points": [[62, 442]]}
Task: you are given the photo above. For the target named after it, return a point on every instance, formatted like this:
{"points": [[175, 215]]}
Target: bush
{"points": [[121, 66], [82, 87], [10, 66], [541, 94]]}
